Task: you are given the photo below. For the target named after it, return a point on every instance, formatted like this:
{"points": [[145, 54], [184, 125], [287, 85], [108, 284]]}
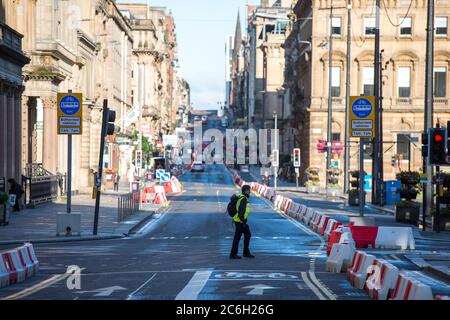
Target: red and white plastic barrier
{"points": [[410, 289], [382, 280], [323, 225], [331, 226], [357, 273], [394, 238], [340, 258], [308, 216], [17, 264]]}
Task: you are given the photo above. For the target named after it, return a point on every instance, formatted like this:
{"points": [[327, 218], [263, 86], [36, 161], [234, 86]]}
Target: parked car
{"points": [[198, 166], [196, 118], [244, 169]]}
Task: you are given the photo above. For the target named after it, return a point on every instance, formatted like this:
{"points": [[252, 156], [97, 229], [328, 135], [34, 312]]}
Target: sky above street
{"points": [[202, 27]]}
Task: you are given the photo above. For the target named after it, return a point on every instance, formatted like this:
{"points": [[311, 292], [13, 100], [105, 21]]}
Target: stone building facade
{"points": [[403, 45], [12, 59]]}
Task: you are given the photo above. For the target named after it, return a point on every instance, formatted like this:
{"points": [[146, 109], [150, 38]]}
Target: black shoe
{"points": [[250, 256], [235, 257]]}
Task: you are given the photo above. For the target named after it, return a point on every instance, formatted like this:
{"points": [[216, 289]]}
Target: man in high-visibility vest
{"points": [[240, 221]]}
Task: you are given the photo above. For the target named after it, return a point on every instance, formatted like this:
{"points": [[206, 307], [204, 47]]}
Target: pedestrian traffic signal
{"points": [[110, 119], [437, 146], [297, 161], [394, 161]]}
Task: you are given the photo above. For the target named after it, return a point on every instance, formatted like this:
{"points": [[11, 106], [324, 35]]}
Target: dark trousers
{"points": [[241, 229], [16, 206], [116, 187]]}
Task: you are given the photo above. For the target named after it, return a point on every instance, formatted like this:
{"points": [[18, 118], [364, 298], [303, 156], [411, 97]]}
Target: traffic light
{"points": [[297, 158], [110, 119], [424, 145], [394, 161], [437, 146], [138, 159]]}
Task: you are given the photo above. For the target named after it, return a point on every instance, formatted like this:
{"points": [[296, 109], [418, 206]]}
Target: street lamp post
{"points": [[275, 174], [330, 98]]}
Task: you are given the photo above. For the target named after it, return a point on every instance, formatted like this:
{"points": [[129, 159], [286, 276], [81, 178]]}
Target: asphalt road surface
{"points": [[184, 254]]}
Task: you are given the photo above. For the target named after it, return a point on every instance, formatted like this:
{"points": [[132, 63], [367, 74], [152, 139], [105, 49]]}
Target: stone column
{"points": [[10, 148], [18, 137], [50, 141], [3, 130]]}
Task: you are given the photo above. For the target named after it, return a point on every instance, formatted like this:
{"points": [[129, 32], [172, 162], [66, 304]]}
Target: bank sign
{"points": [[70, 113], [362, 117]]}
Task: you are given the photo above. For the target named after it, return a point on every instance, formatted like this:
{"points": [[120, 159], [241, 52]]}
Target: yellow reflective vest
{"points": [[247, 209]]}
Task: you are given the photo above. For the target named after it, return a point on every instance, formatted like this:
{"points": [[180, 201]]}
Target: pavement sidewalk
{"points": [[39, 224]]}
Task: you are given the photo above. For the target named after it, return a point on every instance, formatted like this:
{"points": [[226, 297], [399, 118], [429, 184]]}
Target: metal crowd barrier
{"points": [[128, 204]]}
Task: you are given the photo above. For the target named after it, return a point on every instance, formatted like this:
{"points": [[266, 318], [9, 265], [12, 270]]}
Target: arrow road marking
{"points": [[104, 292], [258, 289]]}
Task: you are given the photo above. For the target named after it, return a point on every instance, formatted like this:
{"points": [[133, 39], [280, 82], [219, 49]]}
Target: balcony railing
{"points": [[441, 100]]}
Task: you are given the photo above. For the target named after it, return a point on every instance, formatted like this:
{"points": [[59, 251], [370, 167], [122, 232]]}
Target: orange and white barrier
{"points": [[357, 273], [160, 198], [315, 220], [285, 205], [382, 280], [410, 289]]}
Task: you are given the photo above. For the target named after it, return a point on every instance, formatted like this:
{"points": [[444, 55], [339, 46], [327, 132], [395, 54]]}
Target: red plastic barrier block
{"points": [[364, 236], [335, 236]]}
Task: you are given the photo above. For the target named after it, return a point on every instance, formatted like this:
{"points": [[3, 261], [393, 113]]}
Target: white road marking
{"points": [[195, 286], [38, 287], [312, 287], [325, 290], [258, 289], [104, 292], [142, 286]]}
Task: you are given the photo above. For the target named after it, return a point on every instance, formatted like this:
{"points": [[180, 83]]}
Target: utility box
{"points": [[68, 224], [392, 194]]}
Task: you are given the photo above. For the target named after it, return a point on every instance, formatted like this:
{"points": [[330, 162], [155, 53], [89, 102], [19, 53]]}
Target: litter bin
{"points": [[392, 196], [4, 214]]}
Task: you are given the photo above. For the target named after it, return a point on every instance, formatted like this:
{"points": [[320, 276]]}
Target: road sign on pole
{"points": [[362, 116], [138, 159], [70, 113], [165, 177]]}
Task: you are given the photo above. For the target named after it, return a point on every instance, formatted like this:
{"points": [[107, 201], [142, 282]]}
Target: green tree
{"points": [[147, 147]]}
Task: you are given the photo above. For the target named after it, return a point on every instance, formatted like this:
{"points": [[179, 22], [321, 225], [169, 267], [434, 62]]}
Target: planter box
{"points": [[332, 192], [312, 189], [407, 214], [4, 215], [444, 222]]}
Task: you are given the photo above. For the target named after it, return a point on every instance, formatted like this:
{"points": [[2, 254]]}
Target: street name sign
{"points": [[70, 113], [362, 116]]}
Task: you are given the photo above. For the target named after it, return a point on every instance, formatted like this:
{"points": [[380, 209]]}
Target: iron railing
{"points": [[41, 186], [127, 205]]}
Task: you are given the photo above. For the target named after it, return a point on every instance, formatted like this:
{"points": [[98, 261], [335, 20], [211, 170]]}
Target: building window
{"points": [[440, 82], [336, 136], [335, 81], [406, 27], [403, 145], [440, 24], [368, 83], [336, 26], [369, 26], [404, 82]]}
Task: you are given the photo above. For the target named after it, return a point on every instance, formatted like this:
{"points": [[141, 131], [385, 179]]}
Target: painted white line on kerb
{"points": [[312, 287], [195, 286]]}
